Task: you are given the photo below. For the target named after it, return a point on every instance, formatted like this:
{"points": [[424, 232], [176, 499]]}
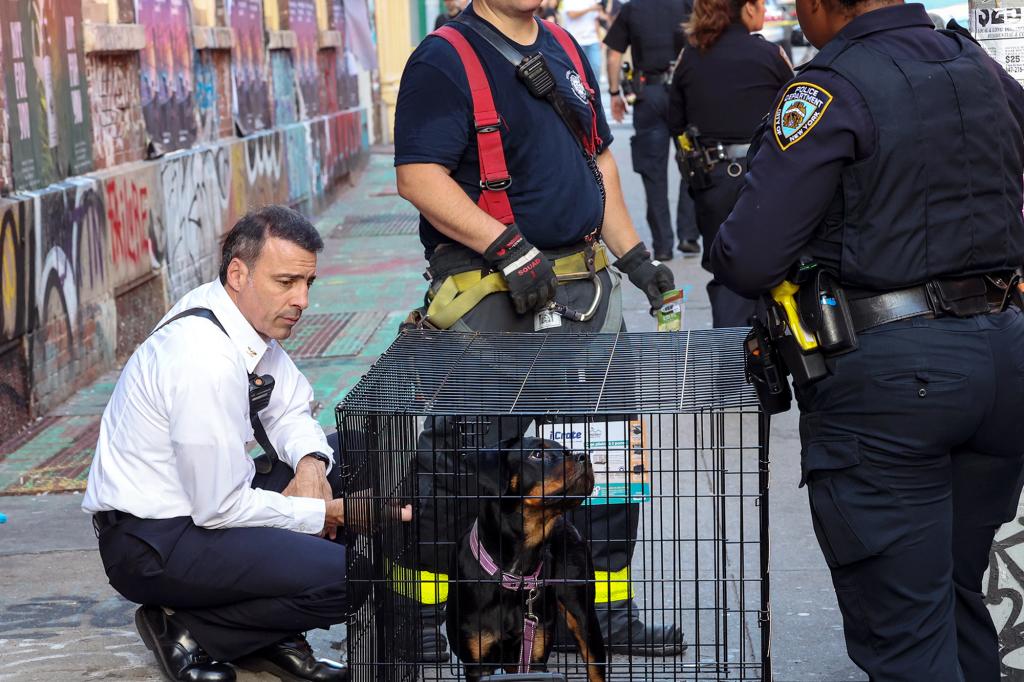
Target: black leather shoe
{"points": [[293, 659], [664, 257], [180, 657], [690, 247]]}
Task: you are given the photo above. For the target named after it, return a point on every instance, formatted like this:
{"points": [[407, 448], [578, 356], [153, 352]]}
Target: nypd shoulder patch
{"points": [[801, 107]]}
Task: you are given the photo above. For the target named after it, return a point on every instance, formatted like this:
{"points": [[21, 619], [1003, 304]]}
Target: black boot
{"points": [[433, 643], [419, 638], [624, 633]]}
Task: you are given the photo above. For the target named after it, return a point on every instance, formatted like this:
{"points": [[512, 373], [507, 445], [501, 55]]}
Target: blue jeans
{"points": [[593, 53]]}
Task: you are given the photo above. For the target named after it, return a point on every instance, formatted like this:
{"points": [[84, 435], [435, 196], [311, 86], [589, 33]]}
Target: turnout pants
{"points": [[913, 452], [446, 478], [650, 146], [235, 589], [713, 205]]}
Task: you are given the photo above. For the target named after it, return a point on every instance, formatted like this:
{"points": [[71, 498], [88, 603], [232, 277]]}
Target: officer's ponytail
{"points": [[709, 19]]}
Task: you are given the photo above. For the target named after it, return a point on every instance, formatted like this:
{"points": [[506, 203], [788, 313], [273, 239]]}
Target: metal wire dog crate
{"points": [[673, 433]]}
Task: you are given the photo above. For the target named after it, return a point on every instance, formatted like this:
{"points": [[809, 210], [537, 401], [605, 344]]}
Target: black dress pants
{"points": [[913, 453], [235, 589]]}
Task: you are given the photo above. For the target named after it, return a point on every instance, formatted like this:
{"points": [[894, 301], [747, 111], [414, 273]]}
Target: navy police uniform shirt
{"points": [[728, 89], [795, 172], [554, 196], [651, 28]]}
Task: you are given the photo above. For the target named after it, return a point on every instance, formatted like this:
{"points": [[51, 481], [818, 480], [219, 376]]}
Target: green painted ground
{"points": [[369, 279]]}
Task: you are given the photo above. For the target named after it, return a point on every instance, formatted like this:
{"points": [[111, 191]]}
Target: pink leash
{"points": [[516, 583]]}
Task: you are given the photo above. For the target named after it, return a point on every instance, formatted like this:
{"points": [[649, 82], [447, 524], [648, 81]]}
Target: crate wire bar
{"points": [[669, 424]]}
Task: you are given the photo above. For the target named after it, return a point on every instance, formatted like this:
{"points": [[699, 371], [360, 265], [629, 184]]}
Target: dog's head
{"points": [[538, 471]]}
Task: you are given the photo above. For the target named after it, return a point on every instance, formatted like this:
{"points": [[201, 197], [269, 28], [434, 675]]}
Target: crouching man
{"points": [[230, 559]]}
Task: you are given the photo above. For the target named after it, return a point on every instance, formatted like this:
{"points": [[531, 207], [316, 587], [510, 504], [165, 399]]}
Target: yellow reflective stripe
{"points": [[421, 586], [460, 293], [614, 586]]}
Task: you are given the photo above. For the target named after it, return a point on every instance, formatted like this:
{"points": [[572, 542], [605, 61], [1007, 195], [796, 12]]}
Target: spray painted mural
{"points": [[301, 18], [119, 131], [285, 111], [250, 69], [49, 124], [167, 85], [213, 94]]}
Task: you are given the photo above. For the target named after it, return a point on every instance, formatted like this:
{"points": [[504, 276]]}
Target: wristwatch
{"points": [[322, 457], [614, 93]]}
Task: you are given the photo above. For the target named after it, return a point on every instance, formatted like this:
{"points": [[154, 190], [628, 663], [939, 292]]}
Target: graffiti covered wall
{"points": [[119, 131], [91, 231], [213, 94]]}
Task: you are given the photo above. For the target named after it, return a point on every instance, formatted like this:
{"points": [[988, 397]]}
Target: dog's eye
{"points": [[537, 454]]}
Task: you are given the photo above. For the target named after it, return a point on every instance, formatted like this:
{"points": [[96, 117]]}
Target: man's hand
{"points": [[618, 108], [361, 519], [649, 276], [530, 276], [310, 480]]}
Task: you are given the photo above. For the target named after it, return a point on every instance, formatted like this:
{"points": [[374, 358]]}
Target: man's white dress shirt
{"points": [[173, 436]]}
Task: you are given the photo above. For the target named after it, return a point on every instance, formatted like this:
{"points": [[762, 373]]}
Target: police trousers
{"points": [[235, 589], [728, 309], [913, 453], [445, 481], [650, 147]]}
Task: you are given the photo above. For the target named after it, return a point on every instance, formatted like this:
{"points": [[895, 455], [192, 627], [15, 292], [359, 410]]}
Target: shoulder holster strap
{"points": [[264, 463], [494, 177]]}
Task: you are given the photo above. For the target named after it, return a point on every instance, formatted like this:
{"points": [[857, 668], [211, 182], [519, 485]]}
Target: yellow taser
{"points": [[783, 295]]}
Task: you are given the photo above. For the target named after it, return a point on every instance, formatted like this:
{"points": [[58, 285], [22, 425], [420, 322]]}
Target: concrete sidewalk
{"points": [[59, 619]]}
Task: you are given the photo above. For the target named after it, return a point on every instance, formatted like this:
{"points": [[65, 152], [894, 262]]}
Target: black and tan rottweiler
{"points": [[526, 487]]}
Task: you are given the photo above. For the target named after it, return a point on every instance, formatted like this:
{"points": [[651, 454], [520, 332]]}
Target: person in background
{"points": [[580, 19], [724, 83], [451, 10], [647, 27], [548, 10]]}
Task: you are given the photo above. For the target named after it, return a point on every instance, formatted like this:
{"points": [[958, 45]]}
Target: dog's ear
{"points": [[492, 472]]}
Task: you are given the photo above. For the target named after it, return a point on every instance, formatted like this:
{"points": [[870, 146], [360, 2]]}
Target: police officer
{"points": [[649, 27], [725, 82], [516, 193], [894, 161]]}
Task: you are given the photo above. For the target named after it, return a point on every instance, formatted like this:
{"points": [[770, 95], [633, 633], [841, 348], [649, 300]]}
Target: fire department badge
{"points": [[802, 106], [576, 83]]}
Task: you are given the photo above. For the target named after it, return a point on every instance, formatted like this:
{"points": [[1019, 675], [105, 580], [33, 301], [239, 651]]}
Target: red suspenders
{"points": [[494, 177]]}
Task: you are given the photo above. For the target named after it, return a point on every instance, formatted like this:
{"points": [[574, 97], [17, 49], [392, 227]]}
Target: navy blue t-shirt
{"points": [[554, 196]]}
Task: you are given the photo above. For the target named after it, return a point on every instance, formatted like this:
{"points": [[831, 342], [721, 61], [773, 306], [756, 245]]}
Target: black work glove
{"points": [[649, 276], [530, 276]]}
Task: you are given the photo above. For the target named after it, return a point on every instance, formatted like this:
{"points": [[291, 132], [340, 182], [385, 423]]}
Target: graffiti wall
{"points": [[283, 79], [250, 68], [301, 18], [74, 326], [48, 116], [135, 222], [213, 94], [167, 84], [119, 131], [91, 232], [15, 290]]}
